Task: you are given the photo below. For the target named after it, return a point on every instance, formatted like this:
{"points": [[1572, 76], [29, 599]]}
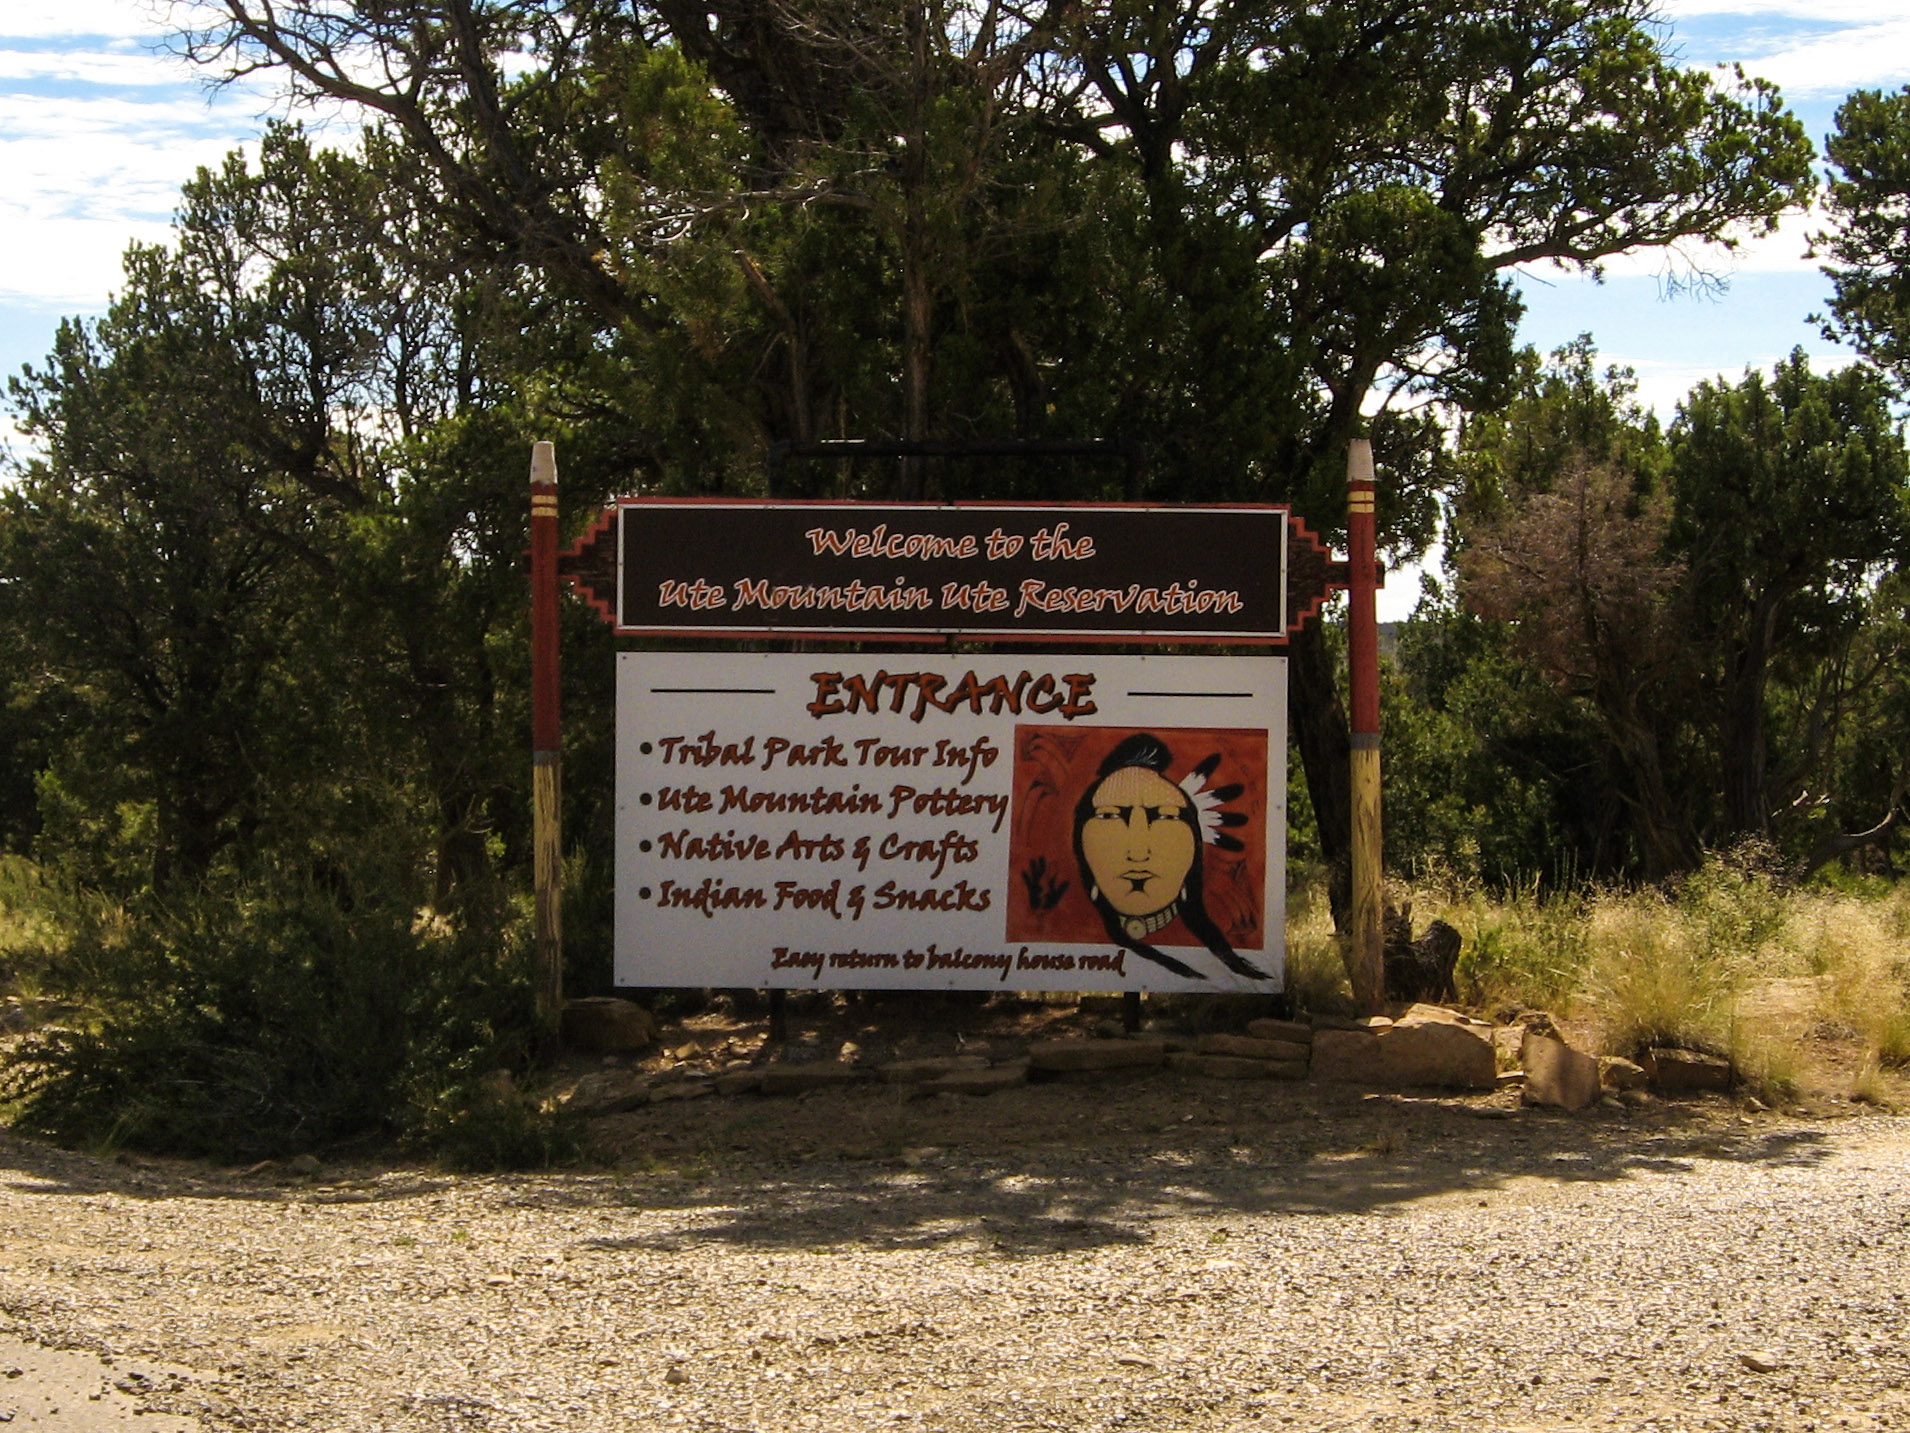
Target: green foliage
{"points": [[1790, 497], [1869, 243], [265, 1016], [1526, 948], [483, 1124]]}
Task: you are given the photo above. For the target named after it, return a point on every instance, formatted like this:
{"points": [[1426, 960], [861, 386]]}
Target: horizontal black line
{"points": [[718, 691], [1193, 694]]}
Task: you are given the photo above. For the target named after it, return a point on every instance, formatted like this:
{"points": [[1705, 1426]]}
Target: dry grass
{"points": [[1315, 972], [1797, 985]]}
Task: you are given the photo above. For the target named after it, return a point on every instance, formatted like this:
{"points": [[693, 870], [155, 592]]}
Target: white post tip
{"points": [[544, 463], [1359, 460]]}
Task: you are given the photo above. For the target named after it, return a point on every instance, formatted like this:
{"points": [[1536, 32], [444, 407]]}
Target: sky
{"points": [[100, 123]]}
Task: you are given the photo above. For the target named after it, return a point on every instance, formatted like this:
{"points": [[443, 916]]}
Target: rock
{"points": [[677, 1375], [606, 1092], [1760, 1361], [304, 1164], [1238, 1067], [1540, 1021], [1320, 1022], [1433, 1053], [1293, 1032], [1375, 1023], [1637, 1099], [1672, 1071], [1421, 1014], [1248, 1048], [607, 1025], [1505, 1042], [1556, 1074], [1059, 1055], [1615, 1072], [782, 1078], [681, 1090], [932, 1067], [1509, 1078], [737, 1082], [1347, 1056], [979, 1082]]}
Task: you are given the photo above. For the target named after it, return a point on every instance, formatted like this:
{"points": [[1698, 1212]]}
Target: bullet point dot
{"points": [[645, 798], [643, 845], [643, 893], [644, 748]]}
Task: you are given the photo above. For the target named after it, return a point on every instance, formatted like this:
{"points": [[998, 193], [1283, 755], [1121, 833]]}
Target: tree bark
{"points": [[1747, 806], [1316, 717]]}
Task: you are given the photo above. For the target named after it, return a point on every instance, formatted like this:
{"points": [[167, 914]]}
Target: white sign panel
{"points": [[1073, 822]]}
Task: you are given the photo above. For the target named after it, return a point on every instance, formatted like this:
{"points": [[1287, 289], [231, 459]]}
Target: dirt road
{"points": [[1154, 1255]]}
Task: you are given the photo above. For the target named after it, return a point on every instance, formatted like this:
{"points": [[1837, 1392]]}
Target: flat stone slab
{"points": [[1673, 1071], [606, 1025], [786, 1079], [1248, 1048], [1434, 1053], [1064, 1055], [1404, 1056], [606, 1092], [1344, 1056], [1237, 1067], [1615, 1072], [682, 1090], [1294, 1032], [737, 1082], [978, 1082], [931, 1067]]}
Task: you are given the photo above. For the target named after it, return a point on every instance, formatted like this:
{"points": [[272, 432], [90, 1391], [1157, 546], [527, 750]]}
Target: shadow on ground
{"points": [[1043, 1169]]}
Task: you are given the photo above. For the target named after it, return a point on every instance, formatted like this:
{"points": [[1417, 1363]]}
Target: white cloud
{"points": [[53, 19], [94, 67], [67, 262], [1862, 57], [1845, 12], [1663, 386]]}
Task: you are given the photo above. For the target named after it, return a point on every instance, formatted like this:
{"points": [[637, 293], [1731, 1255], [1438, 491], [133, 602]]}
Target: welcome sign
{"points": [[922, 572]]}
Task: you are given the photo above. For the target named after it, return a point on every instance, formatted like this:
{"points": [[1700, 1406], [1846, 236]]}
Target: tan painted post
{"points": [[1365, 964], [546, 744]]}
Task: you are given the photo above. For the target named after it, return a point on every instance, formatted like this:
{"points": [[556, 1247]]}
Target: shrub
{"points": [[263, 1016]]}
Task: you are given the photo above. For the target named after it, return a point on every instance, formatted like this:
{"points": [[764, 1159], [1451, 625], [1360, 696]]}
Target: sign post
{"points": [[546, 743], [1362, 627]]}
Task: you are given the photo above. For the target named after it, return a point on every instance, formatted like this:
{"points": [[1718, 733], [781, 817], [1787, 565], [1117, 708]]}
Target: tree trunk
{"points": [[1747, 806], [1317, 720], [917, 294]]}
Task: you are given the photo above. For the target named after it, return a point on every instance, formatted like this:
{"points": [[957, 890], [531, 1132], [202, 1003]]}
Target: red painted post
{"points": [[546, 743], [1366, 965]]}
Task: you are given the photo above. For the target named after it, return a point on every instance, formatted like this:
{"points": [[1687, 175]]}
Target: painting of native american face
{"points": [[1154, 822]]}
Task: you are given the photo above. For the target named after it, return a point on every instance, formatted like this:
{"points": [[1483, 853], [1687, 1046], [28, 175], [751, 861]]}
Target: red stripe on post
{"points": [[1362, 619]]}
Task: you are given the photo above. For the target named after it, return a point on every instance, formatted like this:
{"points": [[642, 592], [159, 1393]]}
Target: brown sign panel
{"points": [[924, 571]]}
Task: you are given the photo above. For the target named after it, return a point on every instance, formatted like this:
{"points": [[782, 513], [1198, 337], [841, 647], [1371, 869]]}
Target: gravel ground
{"points": [[1152, 1253]]}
